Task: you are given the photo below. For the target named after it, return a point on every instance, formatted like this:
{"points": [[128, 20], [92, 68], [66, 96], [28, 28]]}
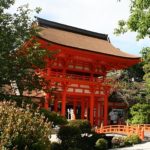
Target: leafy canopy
{"points": [[140, 114], [138, 21], [146, 59], [18, 61]]}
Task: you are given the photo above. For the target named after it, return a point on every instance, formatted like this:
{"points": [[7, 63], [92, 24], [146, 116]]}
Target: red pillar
{"points": [[63, 105], [82, 109], [96, 112], [48, 72], [47, 96], [86, 107], [56, 105], [92, 108], [105, 109], [47, 99], [74, 107]]}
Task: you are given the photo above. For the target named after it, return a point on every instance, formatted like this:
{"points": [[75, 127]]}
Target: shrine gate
{"points": [[79, 70]]}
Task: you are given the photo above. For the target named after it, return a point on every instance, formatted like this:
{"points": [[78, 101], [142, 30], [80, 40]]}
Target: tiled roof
{"points": [[79, 38]]}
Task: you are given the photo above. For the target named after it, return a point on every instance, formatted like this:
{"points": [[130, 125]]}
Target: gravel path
{"points": [[142, 146]]}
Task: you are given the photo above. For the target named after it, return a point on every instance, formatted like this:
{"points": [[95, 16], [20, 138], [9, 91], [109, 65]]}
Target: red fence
{"points": [[125, 129]]}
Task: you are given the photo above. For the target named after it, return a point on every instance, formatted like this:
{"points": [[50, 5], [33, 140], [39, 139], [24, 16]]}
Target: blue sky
{"points": [[95, 15]]}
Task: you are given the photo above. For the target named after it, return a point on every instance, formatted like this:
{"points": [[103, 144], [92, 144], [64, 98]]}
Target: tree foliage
{"points": [[140, 114], [138, 21], [20, 53], [137, 92], [129, 86], [146, 59], [129, 92]]}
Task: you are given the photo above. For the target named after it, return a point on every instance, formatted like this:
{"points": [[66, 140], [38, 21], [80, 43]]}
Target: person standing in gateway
{"points": [[113, 117]]}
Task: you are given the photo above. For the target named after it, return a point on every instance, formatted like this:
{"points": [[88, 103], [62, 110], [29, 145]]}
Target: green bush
{"points": [[87, 142], [54, 117], [74, 148], [56, 146], [84, 143], [92, 139], [23, 128], [132, 139], [127, 141], [101, 144], [70, 136], [118, 141], [83, 125], [135, 139]]}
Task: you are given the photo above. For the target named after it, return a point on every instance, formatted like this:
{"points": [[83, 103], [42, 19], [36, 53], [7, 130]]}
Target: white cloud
{"points": [[95, 15]]}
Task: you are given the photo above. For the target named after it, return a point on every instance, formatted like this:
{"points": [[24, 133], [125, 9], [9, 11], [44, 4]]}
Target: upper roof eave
{"points": [[47, 23], [133, 58], [79, 38]]}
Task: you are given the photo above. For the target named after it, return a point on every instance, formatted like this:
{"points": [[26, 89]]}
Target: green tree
{"points": [[146, 59], [129, 92], [140, 114], [138, 21], [129, 87], [140, 111], [18, 61]]}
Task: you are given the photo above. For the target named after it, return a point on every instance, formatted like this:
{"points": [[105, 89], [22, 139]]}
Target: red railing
{"points": [[146, 127], [80, 77], [125, 129]]}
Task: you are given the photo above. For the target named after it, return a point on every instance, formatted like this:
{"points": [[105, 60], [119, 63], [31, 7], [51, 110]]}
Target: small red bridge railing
{"points": [[125, 129], [146, 127]]}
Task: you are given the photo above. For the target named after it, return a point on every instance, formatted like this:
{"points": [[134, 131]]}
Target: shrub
{"points": [[70, 136], [92, 139], [74, 148], [132, 139], [109, 139], [118, 141], [23, 128], [135, 139], [83, 125], [128, 141], [54, 117], [87, 142], [56, 146], [101, 144]]}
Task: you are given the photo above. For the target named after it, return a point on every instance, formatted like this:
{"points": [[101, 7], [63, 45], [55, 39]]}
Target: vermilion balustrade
{"points": [[125, 129]]}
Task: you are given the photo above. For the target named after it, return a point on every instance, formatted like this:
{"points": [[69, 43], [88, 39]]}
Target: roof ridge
{"points": [[47, 23]]}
